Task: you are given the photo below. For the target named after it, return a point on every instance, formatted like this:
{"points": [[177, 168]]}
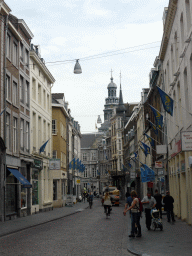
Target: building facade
{"points": [[41, 132]]}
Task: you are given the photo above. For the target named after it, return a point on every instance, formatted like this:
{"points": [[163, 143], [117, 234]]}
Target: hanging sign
{"points": [[158, 164]]}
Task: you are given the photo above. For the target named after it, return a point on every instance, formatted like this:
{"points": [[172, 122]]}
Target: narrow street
{"points": [[85, 233]]}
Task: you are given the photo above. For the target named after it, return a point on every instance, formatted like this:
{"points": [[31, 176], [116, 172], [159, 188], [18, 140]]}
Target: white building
{"points": [[41, 131], [176, 56]]}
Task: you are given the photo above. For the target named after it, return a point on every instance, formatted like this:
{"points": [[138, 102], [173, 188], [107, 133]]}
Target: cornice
{"points": [[4, 8], [62, 108], [167, 28], [14, 31], [34, 56], [25, 28]]}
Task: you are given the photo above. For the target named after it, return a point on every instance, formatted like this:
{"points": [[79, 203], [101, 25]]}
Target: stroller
{"points": [[156, 221]]}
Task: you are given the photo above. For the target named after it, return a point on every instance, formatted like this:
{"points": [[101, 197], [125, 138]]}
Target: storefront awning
{"points": [[20, 177]]}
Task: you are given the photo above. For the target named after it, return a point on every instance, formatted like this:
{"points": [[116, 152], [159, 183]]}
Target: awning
{"points": [[20, 177]]}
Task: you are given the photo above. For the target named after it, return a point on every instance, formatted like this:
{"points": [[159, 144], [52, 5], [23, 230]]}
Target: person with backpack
{"points": [[135, 214], [150, 203]]}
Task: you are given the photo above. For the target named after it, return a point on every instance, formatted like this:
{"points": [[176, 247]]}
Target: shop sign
{"points": [[38, 164], [186, 138], [158, 164], [78, 181], [54, 164], [177, 148], [183, 165]]}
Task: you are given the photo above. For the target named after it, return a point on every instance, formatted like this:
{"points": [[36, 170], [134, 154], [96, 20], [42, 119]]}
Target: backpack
{"points": [[140, 205]]}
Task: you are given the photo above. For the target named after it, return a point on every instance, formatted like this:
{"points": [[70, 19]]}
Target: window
{"points": [[15, 54], [54, 154], [39, 94], [27, 93], [35, 199], [39, 132], [14, 135], [48, 102], [54, 126], [84, 157], [44, 99], [94, 172], [93, 156], [8, 46], [8, 88], [85, 173], [21, 51], [22, 134], [21, 90], [27, 57], [8, 131], [34, 132], [27, 136], [54, 189], [34, 88], [15, 101]]}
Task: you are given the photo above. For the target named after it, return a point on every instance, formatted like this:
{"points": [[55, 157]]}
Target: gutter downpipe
{"points": [[5, 93]]}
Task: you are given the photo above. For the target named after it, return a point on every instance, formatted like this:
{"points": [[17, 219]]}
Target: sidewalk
{"points": [[19, 224], [175, 239]]}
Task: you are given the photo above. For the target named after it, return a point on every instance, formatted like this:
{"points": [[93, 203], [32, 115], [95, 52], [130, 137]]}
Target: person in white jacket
{"points": [[107, 203]]}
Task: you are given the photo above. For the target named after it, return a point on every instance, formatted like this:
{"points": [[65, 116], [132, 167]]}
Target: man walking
{"points": [[168, 206], [149, 203], [158, 198]]}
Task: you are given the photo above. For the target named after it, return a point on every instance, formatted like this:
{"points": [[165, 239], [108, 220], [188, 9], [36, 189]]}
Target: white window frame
{"points": [[15, 52], [27, 136], [22, 134], [8, 46], [54, 126], [8, 131], [54, 154], [15, 101], [21, 89], [8, 85], [14, 134], [27, 93]]}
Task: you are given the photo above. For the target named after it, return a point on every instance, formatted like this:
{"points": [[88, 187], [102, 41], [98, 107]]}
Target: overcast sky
{"points": [[75, 29]]}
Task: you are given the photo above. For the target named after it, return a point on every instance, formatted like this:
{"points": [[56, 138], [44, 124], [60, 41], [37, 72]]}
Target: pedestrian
{"points": [[107, 203], [135, 214], [158, 198], [149, 203], [84, 197], [168, 206]]}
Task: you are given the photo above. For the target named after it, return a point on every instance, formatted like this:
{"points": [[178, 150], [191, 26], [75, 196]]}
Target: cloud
{"points": [[93, 8]]}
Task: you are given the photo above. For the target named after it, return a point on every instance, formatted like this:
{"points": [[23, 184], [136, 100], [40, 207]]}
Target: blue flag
{"points": [[130, 166], [143, 150], [135, 154], [167, 101], [152, 141], [42, 148], [154, 128], [158, 117], [3, 111], [150, 173], [147, 148]]}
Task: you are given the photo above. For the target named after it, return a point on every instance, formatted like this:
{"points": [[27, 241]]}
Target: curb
{"points": [[36, 225]]}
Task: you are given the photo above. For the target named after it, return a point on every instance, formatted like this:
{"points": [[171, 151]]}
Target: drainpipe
{"points": [[5, 93]]}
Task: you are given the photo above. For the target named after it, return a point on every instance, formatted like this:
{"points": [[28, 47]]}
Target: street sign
{"points": [[158, 164]]}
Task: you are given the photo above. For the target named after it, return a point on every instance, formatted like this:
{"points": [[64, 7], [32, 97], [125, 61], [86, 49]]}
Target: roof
{"points": [[112, 84], [58, 95], [89, 139]]}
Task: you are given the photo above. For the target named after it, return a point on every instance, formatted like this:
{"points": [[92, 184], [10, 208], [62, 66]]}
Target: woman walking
{"points": [[135, 215], [107, 203]]}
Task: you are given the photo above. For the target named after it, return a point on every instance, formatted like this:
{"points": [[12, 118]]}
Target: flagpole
{"points": [[155, 140], [164, 116], [177, 103], [158, 129]]}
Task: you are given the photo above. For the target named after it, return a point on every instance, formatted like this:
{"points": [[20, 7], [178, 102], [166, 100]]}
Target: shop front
{"points": [[37, 167]]}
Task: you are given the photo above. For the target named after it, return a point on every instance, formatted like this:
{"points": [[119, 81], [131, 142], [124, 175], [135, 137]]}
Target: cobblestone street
{"points": [[85, 233]]}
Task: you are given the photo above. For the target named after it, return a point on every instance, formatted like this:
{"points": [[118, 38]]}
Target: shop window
{"points": [[35, 198], [55, 190]]}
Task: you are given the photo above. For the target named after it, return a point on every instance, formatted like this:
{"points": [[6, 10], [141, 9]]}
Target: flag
{"points": [[73, 164], [150, 173], [147, 148], [70, 166], [143, 150], [135, 154], [42, 148], [158, 117], [130, 166], [3, 111], [167, 101], [154, 128], [152, 142]]}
